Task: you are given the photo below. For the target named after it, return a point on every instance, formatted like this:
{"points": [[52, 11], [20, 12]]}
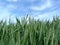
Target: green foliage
{"points": [[30, 32]]}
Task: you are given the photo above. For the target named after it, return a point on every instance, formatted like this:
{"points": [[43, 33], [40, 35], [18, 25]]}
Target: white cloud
{"points": [[29, 0], [48, 16], [12, 0], [43, 6], [5, 14], [11, 6]]}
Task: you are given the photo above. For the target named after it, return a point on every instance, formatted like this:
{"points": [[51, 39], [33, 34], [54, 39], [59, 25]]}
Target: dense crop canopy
{"points": [[31, 32]]}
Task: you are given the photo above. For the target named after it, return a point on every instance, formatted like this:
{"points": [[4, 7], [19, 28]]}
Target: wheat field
{"points": [[31, 32]]}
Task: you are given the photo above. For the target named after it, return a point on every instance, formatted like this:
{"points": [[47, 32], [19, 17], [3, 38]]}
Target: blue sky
{"points": [[39, 9]]}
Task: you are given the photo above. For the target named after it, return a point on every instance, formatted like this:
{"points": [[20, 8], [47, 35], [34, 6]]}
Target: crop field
{"points": [[30, 32]]}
